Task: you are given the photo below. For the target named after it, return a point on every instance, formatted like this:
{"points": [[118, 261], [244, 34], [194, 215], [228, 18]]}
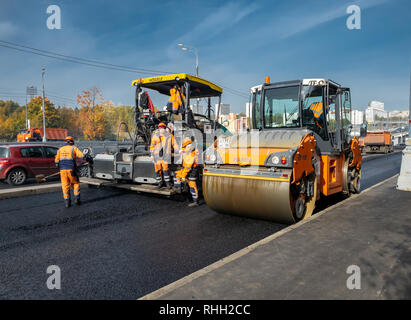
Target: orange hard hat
{"points": [[69, 138], [162, 125], [186, 142]]}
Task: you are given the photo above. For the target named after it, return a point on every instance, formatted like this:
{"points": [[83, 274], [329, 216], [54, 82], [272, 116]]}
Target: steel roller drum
{"points": [[253, 196]]}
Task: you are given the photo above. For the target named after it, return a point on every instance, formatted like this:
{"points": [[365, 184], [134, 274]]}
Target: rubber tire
{"points": [[14, 171], [83, 171]]}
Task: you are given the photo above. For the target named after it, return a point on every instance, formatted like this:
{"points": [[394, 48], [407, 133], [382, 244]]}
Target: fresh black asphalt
{"points": [[123, 245]]}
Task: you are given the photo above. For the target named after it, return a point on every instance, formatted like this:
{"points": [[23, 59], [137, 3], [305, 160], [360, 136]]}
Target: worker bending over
{"points": [[190, 163], [162, 143], [66, 162]]}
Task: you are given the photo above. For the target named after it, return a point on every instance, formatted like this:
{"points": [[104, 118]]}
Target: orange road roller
{"points": [[297, 150]]}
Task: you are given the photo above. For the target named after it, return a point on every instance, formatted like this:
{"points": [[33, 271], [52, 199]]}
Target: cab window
{"points": [[256, 109], [331, 118], [313, 109], [281, 107]]}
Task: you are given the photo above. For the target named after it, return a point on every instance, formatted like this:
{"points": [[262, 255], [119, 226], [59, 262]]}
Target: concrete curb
{"points": [[189, 278], [31, 190]]}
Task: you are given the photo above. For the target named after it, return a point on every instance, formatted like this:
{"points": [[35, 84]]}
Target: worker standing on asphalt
{"points": [[162, 143], [66, 162], [190, 165]]}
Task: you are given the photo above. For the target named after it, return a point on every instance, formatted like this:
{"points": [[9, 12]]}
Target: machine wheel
{"points": [[302, 205], [299, 208], [83, 171], [17, 177], [355, 185], [351, 179]]}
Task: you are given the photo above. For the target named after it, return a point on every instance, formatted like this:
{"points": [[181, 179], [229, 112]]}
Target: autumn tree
{"points": [[96, 119], [116, 115], [68, 119], [12, 119], [92, 121], [35, 112]]}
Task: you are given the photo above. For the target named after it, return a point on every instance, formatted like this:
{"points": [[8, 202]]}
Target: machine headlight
{"points": [[213, 157], [275, 160]]}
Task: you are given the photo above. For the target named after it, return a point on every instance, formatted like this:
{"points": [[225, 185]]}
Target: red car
{"points": [[23, 161]]}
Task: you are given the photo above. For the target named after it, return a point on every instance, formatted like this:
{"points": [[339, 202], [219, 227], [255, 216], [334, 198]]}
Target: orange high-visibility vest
{"points": [[176, 99], [66, 156], [162, 142], [190, 159], [317, 109]]}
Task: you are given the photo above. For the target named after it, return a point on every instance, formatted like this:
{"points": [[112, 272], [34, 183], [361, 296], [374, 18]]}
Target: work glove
{"points": [[88, 158]]}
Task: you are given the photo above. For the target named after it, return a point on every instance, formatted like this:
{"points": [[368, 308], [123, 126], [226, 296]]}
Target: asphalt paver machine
{"points": [[132, 167]]}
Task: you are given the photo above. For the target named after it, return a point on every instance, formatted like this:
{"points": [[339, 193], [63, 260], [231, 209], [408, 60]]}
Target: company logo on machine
{"points": [[245, 160], [303, 157], [314, 82]]}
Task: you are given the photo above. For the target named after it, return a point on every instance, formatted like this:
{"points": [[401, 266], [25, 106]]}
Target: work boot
{"points": [[169, 185], [177, 189], [160, 184], [194, 204], [67, 203], [77, 200]]}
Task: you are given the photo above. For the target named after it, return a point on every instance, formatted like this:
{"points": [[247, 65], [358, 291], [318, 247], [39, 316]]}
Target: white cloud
{"points": [[221, 19], [306, 22]]}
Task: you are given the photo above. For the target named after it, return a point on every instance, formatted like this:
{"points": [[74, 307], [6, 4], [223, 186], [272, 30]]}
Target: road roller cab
{"points": [[298, 150]]}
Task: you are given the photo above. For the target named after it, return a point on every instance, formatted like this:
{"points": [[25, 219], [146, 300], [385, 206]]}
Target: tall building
{"points": [[197, 109], [248, 109], [357, 117], [375, 109], [234, 123], [399, 114], [225, 109]]}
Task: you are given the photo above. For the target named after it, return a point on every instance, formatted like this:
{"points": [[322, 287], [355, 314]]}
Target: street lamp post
{"points": [[195, 51], [409, 115], [43, 71], [31, 92]]}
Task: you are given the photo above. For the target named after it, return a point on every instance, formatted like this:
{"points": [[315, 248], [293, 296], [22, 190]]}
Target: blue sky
{"points": [[239, 43]]}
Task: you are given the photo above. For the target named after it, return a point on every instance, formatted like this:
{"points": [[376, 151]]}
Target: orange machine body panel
{"points": [[331, 174], [361, 140], [36, 134], [247, 156], [302, 161], [380, 138]]}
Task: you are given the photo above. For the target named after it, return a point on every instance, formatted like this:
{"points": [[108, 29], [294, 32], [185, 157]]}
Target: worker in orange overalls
{"points": [[190, 165], [176, 101], [66, 162], [162, 143], [317, 109]]}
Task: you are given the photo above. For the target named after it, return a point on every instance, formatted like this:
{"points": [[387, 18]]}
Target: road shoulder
{"points": [[310, 260]]}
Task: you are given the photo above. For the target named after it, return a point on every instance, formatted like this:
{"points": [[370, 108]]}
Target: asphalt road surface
{"points": [[122, 245]]}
